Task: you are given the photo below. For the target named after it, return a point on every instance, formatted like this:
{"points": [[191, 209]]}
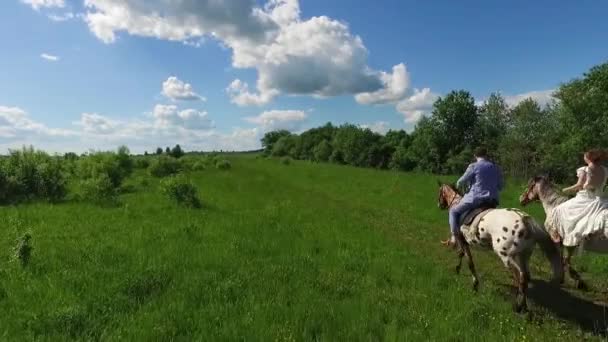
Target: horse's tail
{"points": [[547, 245]]}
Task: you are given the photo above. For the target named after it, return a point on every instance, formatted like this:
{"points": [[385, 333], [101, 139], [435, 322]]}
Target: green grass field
{"points": [[278, 252]]}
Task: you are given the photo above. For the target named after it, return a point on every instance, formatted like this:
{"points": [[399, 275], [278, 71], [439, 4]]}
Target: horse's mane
{"points": [[548, 191], [454, 188]]}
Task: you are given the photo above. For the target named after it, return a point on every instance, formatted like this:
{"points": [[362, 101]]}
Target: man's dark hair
{"points": [[481, 152]]}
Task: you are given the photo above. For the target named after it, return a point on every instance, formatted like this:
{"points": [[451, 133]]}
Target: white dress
{"points": [[585, 214]]}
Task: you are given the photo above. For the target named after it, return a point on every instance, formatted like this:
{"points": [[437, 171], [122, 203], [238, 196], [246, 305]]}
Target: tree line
{"points": [[525, 139]]}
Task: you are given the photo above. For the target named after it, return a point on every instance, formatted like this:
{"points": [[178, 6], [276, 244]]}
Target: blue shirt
{"points": [[485, 179]]}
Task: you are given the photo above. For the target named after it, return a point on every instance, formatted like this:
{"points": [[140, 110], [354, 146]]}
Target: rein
{"points": [[455, 196]]}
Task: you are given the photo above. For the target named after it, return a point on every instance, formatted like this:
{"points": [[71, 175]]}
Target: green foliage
{"points": [[115, 166], [223, 164], [28, 174], [322, 151], [271, 138], [98, 189], [163, 166], [402, 160], [142, 163], [159, 150], [181, 191], [286, 160], [177, 152]]}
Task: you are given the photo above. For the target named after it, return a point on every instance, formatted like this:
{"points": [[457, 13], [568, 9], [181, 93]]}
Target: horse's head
{"points": [[448, 195], [532, 192]]}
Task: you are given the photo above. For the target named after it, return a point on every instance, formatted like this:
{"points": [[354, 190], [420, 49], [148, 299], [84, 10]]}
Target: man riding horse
{"points": [[486, 182]]}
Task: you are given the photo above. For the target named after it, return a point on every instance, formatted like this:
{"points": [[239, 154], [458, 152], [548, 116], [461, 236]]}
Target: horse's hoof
{"points": [[581, 285], [476, 286], [519, 308]]}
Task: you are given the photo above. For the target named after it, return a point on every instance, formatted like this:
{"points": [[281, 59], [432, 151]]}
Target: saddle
{"points": [[469, 223], [468, 217]]}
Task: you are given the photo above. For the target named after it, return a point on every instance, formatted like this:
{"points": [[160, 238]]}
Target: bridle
{"points": [[452, 200], [526, 195]]}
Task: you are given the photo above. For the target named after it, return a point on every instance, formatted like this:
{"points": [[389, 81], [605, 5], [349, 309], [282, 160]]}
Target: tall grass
{"points": [[305, 252]]}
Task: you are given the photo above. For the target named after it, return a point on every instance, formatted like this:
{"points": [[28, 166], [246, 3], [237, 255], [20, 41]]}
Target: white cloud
{"points": [[542, 97], [177, 20], [279, 119], [418, 104], [190, 128], [15, 123], [240, 95], [176, 89], [168, 117], [98, 124], [49, 57], [395, 87], [37, 4], [317, 56], [61, 17], [380, 127]]}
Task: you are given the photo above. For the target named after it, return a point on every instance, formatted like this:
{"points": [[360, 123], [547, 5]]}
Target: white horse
{"points": [[540, 189], [512, 234]]}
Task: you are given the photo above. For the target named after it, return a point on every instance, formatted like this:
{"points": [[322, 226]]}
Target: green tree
{"points": [[159, 150], [177, 152], [322, 151], [270, 138]]}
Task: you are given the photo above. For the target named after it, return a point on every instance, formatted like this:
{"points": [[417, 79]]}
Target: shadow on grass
{"points": [[590, 316]]}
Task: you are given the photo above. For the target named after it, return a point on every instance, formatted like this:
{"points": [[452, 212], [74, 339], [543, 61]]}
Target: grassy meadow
{"points": [[288, 252]]}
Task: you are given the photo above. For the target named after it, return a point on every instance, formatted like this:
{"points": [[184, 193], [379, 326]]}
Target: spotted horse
{"points": [[511, 233]]}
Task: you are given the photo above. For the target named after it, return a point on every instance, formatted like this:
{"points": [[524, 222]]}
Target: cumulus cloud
{"points": [[176, 89], [168, 116], [317, 56], [37, 4], [279, 119], [380, 127], [191, 128], [16, 123], [48, 57], [542, 97], [418, 104], [395, 87]]}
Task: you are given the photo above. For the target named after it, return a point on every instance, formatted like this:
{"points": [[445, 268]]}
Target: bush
{"points": [[116, 166], [223, 164], [199, 166], [402, 160], [99, 189], [28, 174], [164, 166], [286, 160], [142, 163], [180, 191]]}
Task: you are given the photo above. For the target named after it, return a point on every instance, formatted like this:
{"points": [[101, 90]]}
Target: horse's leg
{"points": [[460, 256], [578, 281], [524, 279], [467, 251], [522, 284]]}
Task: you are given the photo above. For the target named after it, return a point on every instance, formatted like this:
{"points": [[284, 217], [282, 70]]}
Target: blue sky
{"points": [[156, 73]]}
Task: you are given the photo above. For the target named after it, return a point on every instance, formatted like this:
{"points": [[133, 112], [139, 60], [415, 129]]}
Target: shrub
{"points": [[99, 189], [181, 191], [30, 174], [116, 166], [199, 166], [223, 164], [142, 163], [164, 166], [286, 160]]}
